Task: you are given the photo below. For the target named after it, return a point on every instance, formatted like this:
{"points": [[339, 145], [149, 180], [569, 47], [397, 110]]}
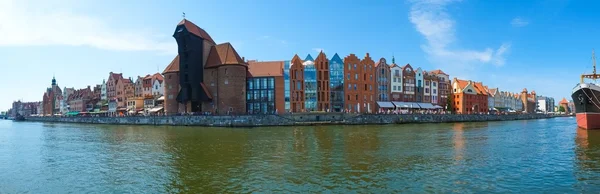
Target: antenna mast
{"points": [[593, 76]]}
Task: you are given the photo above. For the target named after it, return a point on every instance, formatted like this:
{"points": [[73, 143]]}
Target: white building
{"points": [[103, 95], [545, 104], [420, 83], [157, 88], [396, 79]]}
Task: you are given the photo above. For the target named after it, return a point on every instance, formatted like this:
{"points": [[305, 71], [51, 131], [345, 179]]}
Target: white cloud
{"points": [[318, 50], [433, 22], [20, 26], [519, 22]]}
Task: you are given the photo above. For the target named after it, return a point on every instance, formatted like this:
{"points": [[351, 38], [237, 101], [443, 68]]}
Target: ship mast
{"points": [[593, 76]]}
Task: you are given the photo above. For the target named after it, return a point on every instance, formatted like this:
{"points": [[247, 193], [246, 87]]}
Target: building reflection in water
{"points": [[459, 142], [587, 155]]}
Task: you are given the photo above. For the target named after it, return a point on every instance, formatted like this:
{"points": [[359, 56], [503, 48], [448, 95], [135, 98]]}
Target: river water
{"points": [[533, 156]]}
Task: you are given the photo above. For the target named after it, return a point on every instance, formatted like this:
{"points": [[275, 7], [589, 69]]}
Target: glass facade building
{"points": [[260, 95], [286, 80], [336, 77], [310, 82]]}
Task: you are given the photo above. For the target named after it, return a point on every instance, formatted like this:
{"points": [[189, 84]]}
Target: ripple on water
{"points": [[547, 156]]}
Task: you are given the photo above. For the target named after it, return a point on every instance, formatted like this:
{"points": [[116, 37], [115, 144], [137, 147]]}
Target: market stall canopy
{"points": [[155, 109], [426, 105], [407, 105], [385, 104]]}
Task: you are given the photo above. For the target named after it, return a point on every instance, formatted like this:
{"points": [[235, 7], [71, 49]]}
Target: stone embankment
{"points": [[287, 120]]}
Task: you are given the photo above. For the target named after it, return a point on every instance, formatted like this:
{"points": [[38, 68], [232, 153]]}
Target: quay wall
{"points": [[287, 120]]}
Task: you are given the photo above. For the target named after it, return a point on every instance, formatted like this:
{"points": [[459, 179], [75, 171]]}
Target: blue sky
{"points": [[541, 45]]}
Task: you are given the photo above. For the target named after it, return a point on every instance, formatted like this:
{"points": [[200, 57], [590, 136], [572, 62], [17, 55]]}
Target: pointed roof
{"points": [[394, 65], [223, 54], [437, 71], [173, 67], [322, 56], [309, 58], [194, 29], [296, 60], [336, 57], [564, 101]]}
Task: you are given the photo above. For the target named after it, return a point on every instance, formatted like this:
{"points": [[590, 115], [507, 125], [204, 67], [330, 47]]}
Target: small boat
{"points": [[19, 117]]}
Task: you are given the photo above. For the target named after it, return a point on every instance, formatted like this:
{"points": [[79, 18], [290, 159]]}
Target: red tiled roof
{"points": [[461, 83], [479, 88], [223, 54], [438, 71], [158, 76], [194, 29], [265, 68], [564, 101], [173, 66]]}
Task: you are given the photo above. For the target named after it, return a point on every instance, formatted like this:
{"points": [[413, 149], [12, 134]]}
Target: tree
{"points": [[449, 102], [561, 109]]}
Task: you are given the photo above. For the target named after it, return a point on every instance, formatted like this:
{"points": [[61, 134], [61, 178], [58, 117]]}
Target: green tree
{"points": [[449, 102], [561, 109]]}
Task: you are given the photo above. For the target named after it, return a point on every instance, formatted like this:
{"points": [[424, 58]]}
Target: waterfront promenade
{"points": [[290, 119]]}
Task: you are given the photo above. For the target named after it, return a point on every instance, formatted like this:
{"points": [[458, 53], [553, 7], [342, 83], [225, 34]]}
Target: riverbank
{"points": [[288, 120]]}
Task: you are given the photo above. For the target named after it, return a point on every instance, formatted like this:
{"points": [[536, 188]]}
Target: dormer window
{"points": [[469, 90]]}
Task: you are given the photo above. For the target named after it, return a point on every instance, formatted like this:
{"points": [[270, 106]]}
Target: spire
{"points": [[393, 60], [53, 80]]}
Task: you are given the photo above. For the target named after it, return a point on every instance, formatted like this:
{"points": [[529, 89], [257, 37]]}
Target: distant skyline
{"points": [[541, 45]]}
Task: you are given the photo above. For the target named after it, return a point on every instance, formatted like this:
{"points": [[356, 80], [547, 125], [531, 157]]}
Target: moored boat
{"points": [[586, 101]]}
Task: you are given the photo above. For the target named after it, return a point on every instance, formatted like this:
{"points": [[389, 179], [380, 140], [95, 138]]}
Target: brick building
{"points": [[124, 89], [111, 85], [171, 87], [323, 87], [443, 87], [51, 99], [225, 72], [265, 87], [408, 84], [469, 97], [297, 85], [360, 81], [204, 77], [529, 101]]}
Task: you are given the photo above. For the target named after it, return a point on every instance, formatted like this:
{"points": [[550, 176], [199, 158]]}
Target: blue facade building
{"points": [[286, 80], [310, 82], [336, 81]]}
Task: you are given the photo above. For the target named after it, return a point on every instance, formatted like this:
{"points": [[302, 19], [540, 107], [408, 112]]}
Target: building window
{"points": [[434, 84]]}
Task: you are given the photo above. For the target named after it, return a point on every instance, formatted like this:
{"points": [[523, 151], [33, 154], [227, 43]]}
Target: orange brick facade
{"points": [[323, 92], [359, 84], [297, 85], [469, 97]]}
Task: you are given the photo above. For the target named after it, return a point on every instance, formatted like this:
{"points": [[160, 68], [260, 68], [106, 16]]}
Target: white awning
{"points": [[437, 107], [426, 105], [385, 104], [162, 98], [155, 109], [406, 105]]}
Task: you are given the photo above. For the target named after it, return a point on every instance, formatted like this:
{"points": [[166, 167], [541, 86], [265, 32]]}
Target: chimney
{"points": [[244, 59]]}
